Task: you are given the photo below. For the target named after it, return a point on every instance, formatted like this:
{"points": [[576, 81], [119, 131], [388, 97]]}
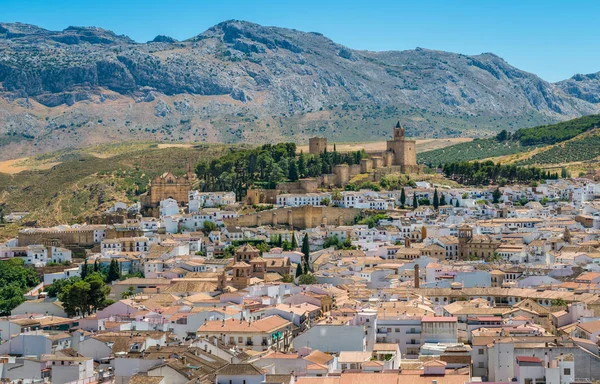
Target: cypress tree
{"points": [[436, 199], [415, 202], [457, 204], [96, 266], [402, 197], [302, 165], [294, 242], [84, 269], [113, 271], [306, 248], [293, 170], [443, 200], [306, 268], [298, 269]]}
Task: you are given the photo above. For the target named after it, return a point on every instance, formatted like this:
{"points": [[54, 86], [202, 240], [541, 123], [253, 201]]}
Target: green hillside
{"points": [[523, 140]]}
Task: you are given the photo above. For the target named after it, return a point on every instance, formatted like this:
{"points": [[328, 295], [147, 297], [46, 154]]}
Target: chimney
{"points": [[416, 275]]}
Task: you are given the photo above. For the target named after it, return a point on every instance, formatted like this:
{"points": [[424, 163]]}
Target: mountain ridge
{"points": [[243, 82]]}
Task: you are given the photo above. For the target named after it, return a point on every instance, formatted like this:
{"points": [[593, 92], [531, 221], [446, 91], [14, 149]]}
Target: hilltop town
{"points": [[323, 267]]}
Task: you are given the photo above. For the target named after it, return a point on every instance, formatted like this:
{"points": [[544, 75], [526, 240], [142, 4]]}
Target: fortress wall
{"points": [[300, 217]]}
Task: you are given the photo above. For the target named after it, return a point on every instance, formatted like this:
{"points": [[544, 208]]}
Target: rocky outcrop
{"points": [[243, 77]]}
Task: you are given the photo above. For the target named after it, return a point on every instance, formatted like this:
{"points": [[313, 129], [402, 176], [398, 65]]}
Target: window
{"points": [[481, 351], [481, 364], [567, 371]]}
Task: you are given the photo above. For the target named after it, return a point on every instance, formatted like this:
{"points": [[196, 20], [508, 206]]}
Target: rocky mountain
{"points": [[240, 81]]}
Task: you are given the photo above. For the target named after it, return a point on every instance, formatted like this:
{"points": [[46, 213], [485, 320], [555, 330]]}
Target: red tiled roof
{"points": [[528, 359]]}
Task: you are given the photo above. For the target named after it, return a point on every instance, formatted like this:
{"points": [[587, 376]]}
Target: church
{"points": [[167, 186]]}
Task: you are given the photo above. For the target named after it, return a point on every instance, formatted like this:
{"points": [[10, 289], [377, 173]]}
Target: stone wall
{"points": [[297, 217]]}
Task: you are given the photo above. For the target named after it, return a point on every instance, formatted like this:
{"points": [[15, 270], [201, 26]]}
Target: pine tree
{"points": [[306, 248], [298, 269], [436, 199], [294, 242], [84, 269], [402, 198], [415, 202]]}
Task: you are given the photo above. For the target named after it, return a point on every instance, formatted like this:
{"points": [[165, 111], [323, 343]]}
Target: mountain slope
{"points": [[565, 142], [240, 81]]}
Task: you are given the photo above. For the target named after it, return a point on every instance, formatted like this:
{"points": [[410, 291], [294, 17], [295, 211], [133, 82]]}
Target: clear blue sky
{"points": [[553, 39]]}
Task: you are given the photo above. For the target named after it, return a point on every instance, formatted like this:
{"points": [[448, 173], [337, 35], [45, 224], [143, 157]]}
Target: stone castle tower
{"points": [[317, 145], [404, 151]]}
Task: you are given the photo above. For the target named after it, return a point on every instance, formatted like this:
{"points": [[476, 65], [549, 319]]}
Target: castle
{"points": [[403, 152], [400, 156]]}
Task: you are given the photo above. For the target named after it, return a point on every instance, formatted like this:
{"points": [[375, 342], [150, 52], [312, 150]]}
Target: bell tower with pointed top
{"points": [[404, 151]]}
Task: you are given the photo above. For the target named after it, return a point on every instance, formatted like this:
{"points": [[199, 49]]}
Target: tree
{"points": [[298, 269], [98, 291], [302, 164], [306, 269], [436, 199], [558, 303], [15, 280], [496, 195], [208, 226], [286, 245], [294, 241], [128, 293], [306, 248], [96, 266], [402, 198], [415, 203], [563, 173], [84, 269], [457, 205], [58, 285], [75, 298], [336, 195], [82, 297], [443, 200], [113, 271], [325, 201], [293, 170], [306, 279], [11, 296]]}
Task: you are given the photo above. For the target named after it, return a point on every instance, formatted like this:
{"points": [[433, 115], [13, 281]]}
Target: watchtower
{"points": [[317, 145]]}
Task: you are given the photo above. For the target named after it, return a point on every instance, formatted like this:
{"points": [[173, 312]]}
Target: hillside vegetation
{"points": [[84, 182], [564, 142]]}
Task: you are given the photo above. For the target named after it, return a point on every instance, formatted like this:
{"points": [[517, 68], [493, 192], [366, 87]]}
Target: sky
{"points": [[553, 39]]}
